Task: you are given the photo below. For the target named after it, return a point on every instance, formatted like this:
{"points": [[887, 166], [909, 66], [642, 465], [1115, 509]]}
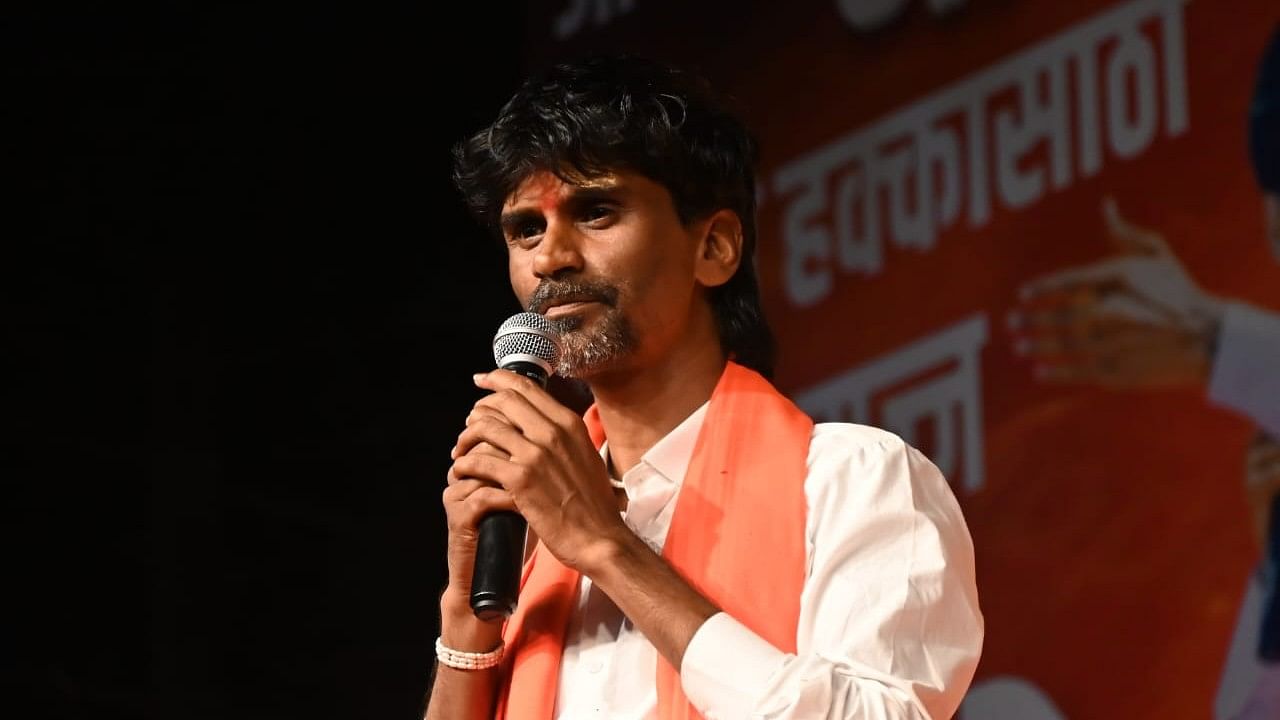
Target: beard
{"points": [[586, 350]]}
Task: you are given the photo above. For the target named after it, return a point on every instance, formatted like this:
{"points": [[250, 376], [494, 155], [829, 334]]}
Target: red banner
{"points": [[924, 165]]}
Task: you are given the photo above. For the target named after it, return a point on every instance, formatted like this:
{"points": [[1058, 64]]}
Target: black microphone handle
{"points": [[495, 579]]}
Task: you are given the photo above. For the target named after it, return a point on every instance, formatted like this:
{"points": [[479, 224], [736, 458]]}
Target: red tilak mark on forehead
{"points": [[549, 201], [544, 190]]}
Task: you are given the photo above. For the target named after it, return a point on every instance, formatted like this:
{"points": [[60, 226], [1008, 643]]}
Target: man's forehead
{"points": [[544, 185]]}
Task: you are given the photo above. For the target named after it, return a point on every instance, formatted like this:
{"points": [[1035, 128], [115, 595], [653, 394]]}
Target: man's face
{"points": [[607, 260], [1271, 213]]}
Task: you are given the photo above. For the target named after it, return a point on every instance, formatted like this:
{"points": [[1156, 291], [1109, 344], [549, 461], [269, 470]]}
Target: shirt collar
{"points": [[671, 455]]}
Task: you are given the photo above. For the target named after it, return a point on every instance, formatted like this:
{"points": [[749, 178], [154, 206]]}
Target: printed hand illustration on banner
{"points": [[1134, 320]]}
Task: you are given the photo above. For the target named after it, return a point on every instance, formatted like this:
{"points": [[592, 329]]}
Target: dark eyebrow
{"points": [[510, 221], [588, 195], [578, 198]]}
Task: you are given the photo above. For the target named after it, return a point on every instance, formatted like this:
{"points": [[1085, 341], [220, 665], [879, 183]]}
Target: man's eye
{"points": [[527, 230], [597, 212]]}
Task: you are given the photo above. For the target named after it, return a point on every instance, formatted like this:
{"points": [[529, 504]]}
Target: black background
{"points": [[245, 306]]}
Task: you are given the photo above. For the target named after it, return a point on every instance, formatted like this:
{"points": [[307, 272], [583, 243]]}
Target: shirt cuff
{"points": [[1246, 369], [727, 667]]}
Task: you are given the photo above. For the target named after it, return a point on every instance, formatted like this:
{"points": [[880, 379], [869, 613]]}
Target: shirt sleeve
{"points": [[1246, 367], [889, 621]]}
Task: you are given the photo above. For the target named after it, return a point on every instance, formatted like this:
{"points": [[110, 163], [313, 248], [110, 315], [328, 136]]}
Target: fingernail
{"points": [[477, 377], [453, 453]]}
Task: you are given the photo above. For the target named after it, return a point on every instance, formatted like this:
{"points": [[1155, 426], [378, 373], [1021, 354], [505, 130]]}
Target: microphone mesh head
{"points": [[529, 336]]}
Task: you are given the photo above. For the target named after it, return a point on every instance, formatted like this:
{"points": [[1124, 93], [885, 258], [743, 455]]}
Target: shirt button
{"points": [[595, 666]]}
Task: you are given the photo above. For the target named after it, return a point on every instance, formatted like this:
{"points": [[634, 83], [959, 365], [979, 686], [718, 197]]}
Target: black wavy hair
{"points": [[582, 120], [1264, 118]]}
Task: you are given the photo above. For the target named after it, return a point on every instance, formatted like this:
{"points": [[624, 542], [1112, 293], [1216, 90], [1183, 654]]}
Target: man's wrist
{"points": [[461, 630], [611, 552], [619, 561]]}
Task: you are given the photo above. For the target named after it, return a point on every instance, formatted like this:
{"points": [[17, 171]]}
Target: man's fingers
{"points": [[484, 448], [513, 407], [489, 468], [536, 396], [504, 441], [461, 487], [546, 431], [483, 411], [468, 501]]}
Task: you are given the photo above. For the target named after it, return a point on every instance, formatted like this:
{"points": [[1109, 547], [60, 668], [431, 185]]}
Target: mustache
{"points": [[553, 291]]}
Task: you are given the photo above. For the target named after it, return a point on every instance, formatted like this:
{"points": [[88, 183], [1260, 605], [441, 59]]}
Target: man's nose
{"points": [[558, 252]]}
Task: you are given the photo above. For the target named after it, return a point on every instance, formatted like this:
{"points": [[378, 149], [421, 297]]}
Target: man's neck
{"points": [[639, 409]]}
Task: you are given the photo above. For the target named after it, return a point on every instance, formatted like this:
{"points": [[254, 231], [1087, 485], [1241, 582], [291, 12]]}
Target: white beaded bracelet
{"points": [[467, 660]]}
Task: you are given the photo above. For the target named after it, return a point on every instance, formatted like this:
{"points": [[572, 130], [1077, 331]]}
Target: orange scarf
{"points": [[737, 536]]}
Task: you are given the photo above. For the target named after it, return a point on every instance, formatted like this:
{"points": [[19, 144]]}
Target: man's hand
{"points": [[459, 693], [466, 502], [1262, 482], [541, 455], [1134, 320], [557, 480]]}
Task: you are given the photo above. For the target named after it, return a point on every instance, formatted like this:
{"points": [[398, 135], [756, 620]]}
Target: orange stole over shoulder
{"points": [[737, 536]]}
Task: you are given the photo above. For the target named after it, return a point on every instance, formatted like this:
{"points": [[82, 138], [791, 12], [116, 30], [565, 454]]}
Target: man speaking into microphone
{"points": [[699, 547]]}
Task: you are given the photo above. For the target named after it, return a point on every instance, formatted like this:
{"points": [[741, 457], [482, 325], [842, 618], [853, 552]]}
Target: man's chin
{"points": [[591, 345], [584, 373], [584, 362]]}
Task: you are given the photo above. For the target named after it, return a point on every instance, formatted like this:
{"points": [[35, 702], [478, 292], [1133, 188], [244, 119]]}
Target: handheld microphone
{"points": [[527, 344]]}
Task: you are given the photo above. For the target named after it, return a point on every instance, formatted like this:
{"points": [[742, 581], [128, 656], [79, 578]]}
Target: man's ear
{"points": [[720, 248]]}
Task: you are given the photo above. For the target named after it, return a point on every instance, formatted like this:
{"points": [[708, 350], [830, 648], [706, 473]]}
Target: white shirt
{"points": [[889, 621], [1246, 368]]}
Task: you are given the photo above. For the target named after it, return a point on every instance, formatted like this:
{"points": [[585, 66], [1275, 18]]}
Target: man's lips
{"points": [[565, 300], [566, 308]]}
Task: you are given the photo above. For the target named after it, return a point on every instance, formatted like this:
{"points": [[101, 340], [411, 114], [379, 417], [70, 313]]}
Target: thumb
{"points": [[1126, 236]]}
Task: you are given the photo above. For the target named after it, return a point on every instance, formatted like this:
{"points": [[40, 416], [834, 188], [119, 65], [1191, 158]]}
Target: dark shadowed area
{"points": [[245, 314]]}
